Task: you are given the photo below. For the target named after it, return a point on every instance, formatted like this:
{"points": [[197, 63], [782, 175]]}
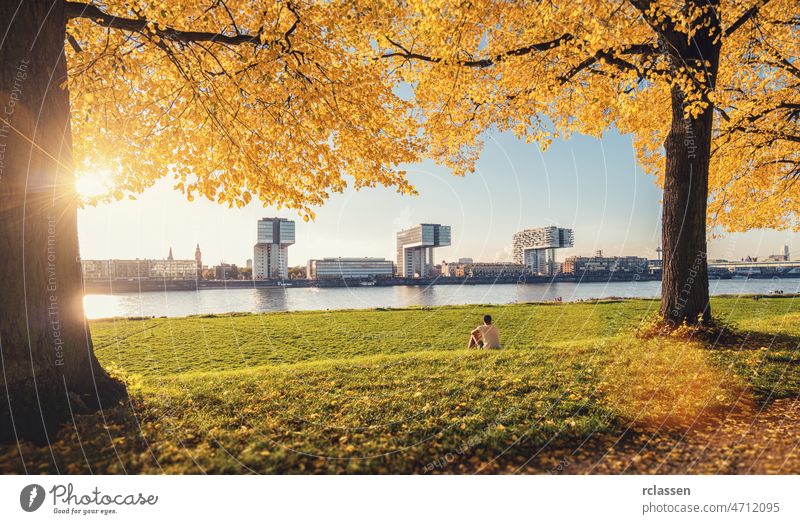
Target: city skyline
{"points": [[785, 251], [615, 209]]}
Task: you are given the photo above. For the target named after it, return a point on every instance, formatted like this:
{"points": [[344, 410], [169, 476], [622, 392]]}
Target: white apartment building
{"points": [[484, 269], [536, 247], [349, 268], [166, 269], [271, 252], [173, 269]]}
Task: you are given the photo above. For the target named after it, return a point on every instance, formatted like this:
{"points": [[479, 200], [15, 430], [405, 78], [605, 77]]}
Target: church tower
{"points": [[198, 258], [170, 257]]}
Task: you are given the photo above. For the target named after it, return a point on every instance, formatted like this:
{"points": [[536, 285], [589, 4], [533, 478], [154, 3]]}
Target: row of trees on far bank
{"points": [[281, 101]]}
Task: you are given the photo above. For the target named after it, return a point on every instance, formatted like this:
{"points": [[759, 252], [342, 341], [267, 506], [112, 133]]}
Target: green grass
{"points": [[214, 343], [395, 390]]}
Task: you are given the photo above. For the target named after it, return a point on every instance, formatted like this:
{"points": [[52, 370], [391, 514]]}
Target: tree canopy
{"points": [[284, 100], [236, 99], [549, 69]]}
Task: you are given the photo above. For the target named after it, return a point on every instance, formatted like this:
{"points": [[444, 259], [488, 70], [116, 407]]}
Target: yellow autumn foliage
{"points": [[235, 99], [286, 101], [546, 70]]}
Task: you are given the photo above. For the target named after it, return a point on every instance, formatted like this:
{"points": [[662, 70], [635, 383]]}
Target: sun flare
{"points": [[93, 184]]}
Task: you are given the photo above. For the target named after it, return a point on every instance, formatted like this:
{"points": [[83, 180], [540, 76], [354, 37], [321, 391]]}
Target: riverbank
{"points": [[394, 391], [274, 299], [127, 285]]}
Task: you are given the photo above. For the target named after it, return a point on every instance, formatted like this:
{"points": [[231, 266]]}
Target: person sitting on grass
{"points": [[486, 336]]}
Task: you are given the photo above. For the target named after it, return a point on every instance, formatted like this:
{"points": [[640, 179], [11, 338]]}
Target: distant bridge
{"points": [[767, 268]]}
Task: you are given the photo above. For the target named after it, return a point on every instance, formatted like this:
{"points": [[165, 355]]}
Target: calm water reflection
{"points": [[182, 303]]}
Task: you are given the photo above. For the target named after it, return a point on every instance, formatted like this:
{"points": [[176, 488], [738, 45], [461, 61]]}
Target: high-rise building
{"points": [[349, 268], [415, 249], [536, 247], [271, 252]]}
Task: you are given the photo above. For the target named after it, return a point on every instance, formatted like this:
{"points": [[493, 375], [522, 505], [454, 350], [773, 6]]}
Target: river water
{"points": [[183, 303]]}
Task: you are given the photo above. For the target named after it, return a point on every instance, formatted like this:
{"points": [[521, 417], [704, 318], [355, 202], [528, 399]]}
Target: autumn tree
{"points": [[704, 86], [235, 100], [755, 158]]}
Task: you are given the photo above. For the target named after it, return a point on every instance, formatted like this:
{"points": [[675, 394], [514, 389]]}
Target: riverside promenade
{"points": [[134, 284]]}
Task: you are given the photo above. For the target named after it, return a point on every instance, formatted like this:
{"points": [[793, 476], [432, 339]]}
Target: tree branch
{"points": [[747, 15], [142, 25], [644, 7], [484, 62], [611, 58]]}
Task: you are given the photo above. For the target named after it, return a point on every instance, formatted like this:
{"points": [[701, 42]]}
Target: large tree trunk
{"points": [[684, 285], [48, 363]]}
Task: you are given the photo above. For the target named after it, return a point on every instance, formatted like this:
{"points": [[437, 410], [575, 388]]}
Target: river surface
{"points": [[183, 303]]}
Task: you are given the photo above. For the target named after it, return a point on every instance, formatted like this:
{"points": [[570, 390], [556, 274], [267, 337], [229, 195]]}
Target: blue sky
{"points": [[593, 186]]}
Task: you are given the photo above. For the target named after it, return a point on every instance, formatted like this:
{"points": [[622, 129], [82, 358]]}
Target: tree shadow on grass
{"points": [[768, 362], [751, 430], [746, 340], [108, 441]]}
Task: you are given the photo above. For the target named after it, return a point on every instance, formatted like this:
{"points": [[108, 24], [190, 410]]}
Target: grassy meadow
{"points": [[395, 391]]}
